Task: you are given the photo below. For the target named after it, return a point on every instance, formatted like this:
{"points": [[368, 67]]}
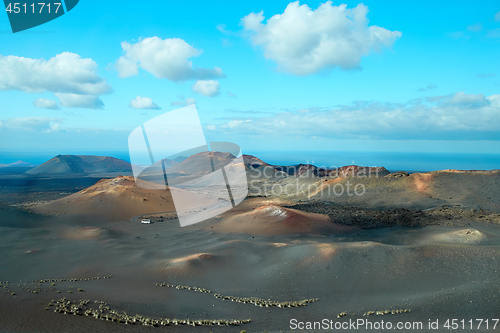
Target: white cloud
{"points": [[164, 58], [475, 27], [208, 88], [469, 100], [38, 124], [222, 28], [73, 79], [45, 104], [459, 116], [304, 41], [126, 67], [494, 100], [80, 101], [236, 123], [65, 73], [184, 101], [143, 103], [497, 16]]}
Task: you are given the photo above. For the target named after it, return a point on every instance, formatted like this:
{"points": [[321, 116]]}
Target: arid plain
{"points": [[398, 247]]}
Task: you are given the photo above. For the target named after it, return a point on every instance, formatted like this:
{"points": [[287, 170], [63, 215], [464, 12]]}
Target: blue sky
{"points": [[381, 76]]}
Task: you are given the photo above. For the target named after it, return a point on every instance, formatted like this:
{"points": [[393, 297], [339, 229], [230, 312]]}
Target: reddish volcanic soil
{"points": [[275, 220], [119, 199]]}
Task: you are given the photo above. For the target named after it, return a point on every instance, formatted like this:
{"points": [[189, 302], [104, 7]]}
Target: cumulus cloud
{"points": [[73, 79], [303, 41], [65, 73], [80, 101], [469, 100], [208, 88], [165, 59], [37, 124], [460, 116], [143, 103], [45, 104], [184, 101], [494, 100]]}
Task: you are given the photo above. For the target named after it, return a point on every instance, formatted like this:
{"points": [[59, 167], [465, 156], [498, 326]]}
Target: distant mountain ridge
{"points": [[19, 163], [84, 164], [252, 162], [197, 164]]}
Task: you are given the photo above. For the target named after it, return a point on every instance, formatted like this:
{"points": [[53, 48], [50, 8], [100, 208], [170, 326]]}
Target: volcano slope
{"points": [[120, 199]]}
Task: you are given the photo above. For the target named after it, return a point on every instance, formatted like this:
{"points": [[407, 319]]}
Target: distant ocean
{"points": [[392, 161], [410, 162]]}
